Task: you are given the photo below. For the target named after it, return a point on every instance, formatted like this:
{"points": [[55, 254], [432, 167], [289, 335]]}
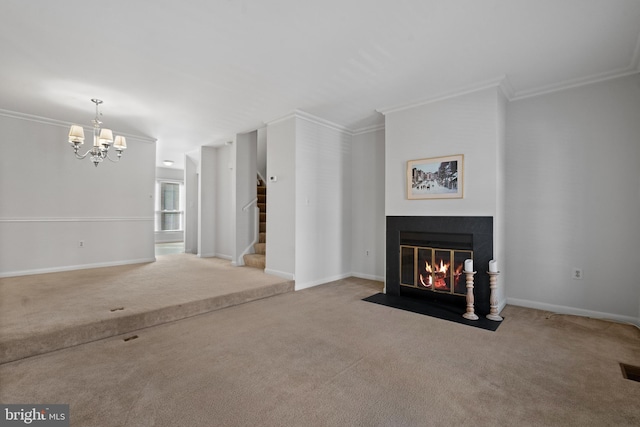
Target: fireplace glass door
{"points": [[433, 269]]}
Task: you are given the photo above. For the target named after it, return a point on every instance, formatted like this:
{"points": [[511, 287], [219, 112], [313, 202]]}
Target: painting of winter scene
{"points": [[435, 178]]}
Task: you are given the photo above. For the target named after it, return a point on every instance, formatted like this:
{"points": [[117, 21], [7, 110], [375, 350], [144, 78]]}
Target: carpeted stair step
{"points": [[263, 217], [263, 227], [255, 261], [262, 237], [262, 207], [260, 248]]}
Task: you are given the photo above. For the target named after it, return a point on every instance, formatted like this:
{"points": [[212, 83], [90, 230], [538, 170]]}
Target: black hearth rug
{"points": [[431, 308]]}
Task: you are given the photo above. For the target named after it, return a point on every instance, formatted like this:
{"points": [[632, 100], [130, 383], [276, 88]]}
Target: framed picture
{"points": [[435, 178]]}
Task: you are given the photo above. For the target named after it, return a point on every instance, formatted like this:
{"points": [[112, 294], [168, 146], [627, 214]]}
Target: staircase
{"points": [[257, 259]]}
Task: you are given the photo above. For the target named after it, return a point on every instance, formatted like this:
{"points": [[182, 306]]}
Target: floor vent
{"points": [[630, 372]]}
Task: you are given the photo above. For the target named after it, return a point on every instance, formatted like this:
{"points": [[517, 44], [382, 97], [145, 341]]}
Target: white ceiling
{"points": [[196, 72]]}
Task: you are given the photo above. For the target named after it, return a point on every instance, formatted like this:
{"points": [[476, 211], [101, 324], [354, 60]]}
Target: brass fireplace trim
{"points": [[433, 250]]}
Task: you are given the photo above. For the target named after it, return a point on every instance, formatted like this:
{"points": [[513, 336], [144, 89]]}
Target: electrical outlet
{"points": [[576, 274], [81, 244]]}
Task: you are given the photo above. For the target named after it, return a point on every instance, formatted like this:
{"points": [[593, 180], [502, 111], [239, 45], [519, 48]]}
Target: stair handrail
{"points": [[261, 177], [256, 236], [248, 205], [256, 226]]}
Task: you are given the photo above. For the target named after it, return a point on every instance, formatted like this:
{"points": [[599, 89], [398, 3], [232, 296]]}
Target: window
{"points": [[169, 213]]}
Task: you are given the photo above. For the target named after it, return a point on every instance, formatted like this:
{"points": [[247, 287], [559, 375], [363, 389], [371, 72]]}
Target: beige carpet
{"points": [[47, 312], [323, 357]]}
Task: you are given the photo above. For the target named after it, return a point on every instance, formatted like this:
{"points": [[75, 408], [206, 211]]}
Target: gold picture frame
{"points": [[436, 178]]}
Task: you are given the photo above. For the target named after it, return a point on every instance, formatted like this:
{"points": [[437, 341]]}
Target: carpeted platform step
{"points": [[123, 322], [255, 261]]}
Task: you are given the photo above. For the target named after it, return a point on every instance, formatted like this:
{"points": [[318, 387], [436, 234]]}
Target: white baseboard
{"points": [[223, 256], [178, 240], [368, 277], [75, 267], [502, 304], [561, 309], [282, 274], [211, 255], [301, 286]]}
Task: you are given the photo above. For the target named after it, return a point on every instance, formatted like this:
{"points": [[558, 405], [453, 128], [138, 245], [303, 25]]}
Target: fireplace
{"points": [[426, 254]]}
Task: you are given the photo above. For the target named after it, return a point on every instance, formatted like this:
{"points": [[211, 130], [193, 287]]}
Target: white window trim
{"points": [[158, 211]]}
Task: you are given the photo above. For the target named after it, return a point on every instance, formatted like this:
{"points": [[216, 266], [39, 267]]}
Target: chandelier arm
{"points": [[80, 157], [109, 157]]}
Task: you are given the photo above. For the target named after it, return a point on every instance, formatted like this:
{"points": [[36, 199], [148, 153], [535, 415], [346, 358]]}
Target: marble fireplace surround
{"points": [[480, 228]]}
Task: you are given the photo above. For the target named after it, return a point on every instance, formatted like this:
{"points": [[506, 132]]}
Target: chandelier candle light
{"points": [[102, 140]]}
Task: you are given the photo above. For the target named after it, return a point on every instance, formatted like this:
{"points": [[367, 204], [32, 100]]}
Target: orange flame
{"points": [[457, 274], [425, 284], [443, 267], [440, 276]]}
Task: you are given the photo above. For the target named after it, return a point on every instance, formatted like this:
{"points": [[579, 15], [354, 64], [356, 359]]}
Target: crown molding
{"points": [[300, 114], [303, 115], [280, 119], [32, 118], [368, 129], [493, 83], [632, 68], [573, 83], [60, 123], [507, 88], [322, 122]]}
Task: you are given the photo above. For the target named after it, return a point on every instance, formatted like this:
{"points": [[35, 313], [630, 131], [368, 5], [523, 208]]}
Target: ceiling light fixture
{"points": [[167, 162], [102, 140]]}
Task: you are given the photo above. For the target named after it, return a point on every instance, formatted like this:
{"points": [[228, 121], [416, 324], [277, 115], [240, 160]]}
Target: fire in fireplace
{"points": [[433, 269]]}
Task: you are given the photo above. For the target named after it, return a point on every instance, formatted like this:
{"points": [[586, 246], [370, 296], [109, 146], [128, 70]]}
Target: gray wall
{"points": [[51, 201], [573, 199], [323, 203], [367, 205], [191, 183], [224, 203], [281, 149], [262, 152], [309, 205], [245, 192], [207, 202]]}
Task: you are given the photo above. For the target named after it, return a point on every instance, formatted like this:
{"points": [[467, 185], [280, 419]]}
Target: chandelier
{"points": [[102, 140]]}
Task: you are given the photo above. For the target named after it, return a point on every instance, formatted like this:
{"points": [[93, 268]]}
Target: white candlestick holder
{"points": [[493, 298], [470, 314]]}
